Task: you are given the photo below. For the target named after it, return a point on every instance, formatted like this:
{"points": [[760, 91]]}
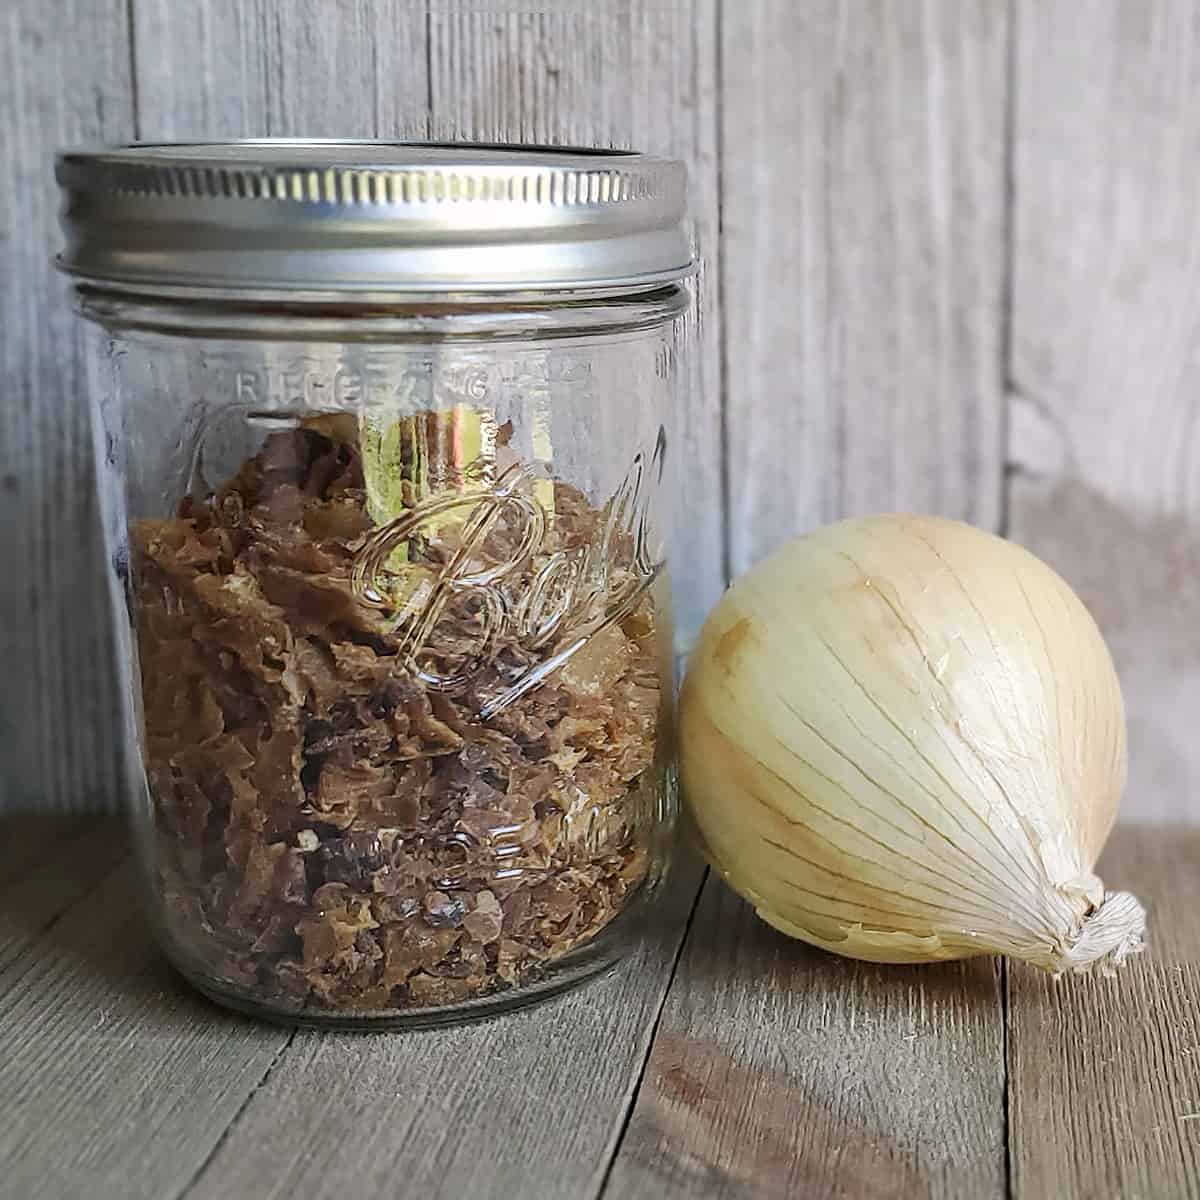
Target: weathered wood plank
{"points": [[527, 1105], [544, 74], [117, 1080], [623, 73], [1104, 1074], [1104, 441], [781, 1071], [64, 79], [249, 68], [863, 216]]}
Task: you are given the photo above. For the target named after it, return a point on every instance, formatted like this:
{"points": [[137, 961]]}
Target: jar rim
{"points": [[437, 317]]}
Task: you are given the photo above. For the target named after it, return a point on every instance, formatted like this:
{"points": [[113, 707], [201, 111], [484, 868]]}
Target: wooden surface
{"points": [[782, 1071], [759, 1068], [528, 1105]]}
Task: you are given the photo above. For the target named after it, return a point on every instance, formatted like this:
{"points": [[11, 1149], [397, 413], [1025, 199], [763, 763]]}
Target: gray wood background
{"points": [[952, 264]]}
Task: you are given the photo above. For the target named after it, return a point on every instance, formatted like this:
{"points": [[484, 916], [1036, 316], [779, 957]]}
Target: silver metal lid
{"points": [[370, 218]]}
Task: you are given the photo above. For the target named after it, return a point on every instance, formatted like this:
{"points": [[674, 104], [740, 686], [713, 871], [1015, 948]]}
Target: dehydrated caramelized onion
{"points": [[335, 833]]}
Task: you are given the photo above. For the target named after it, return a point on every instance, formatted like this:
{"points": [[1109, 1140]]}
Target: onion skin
{"points": [[902, 740]]}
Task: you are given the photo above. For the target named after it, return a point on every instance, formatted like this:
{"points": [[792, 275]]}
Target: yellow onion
{"points": [[902, 739]]}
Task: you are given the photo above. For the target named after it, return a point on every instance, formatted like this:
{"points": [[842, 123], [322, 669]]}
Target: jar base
{"points": [[555, 983]]}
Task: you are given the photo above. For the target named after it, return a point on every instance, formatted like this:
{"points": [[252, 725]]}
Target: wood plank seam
{"points": [[429, 71], [134, 102], [723, 350], [1008, 269], [225, 1134], [1009, 262], [636, 1086], [1006, 1077]]}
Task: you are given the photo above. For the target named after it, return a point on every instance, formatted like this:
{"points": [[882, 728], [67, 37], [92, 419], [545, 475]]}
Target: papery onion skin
{"points": [[902, 739]]}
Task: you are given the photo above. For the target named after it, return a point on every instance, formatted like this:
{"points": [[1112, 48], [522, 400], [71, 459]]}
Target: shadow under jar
{"points": [[380, 435]]}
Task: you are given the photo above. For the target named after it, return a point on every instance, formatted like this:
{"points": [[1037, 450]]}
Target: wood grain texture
{"points": [[1104, 1074], [1104, 438], [623, 73], [64, 79], [780, 1071], [117, 1080], [529, 1104], [253, 68], [777, 1071], [863, 215]]}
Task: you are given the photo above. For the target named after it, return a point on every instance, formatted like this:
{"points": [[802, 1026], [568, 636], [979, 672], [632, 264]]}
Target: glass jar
{"points": [[380, 435]]}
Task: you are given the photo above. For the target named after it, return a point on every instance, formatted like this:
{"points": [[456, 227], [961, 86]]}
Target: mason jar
{"points": [[381, 432]]}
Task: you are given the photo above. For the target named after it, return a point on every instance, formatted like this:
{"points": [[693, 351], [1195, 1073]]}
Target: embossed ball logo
{"points": [[549, 602]]}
